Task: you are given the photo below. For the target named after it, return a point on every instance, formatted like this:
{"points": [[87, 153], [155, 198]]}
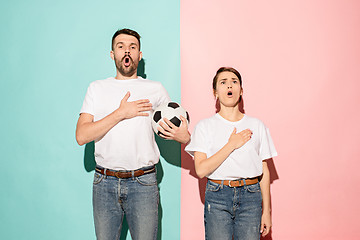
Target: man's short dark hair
{"points": [[127, 32]]}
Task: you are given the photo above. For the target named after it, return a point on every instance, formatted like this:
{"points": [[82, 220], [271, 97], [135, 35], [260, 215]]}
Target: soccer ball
{"points": [[171, 111]]}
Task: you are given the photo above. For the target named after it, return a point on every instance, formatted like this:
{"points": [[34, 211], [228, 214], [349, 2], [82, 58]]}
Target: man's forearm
{"points": [[87, 130]]}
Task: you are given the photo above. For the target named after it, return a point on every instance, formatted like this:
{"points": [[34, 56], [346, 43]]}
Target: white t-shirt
{"points": [[130, 144], [211, 134]]}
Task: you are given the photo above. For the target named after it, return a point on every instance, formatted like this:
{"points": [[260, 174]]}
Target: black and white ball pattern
{"points": [[171, 111]]}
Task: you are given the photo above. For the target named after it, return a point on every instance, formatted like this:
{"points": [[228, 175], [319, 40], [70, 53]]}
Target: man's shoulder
{"points": [[148, 81], [101, 82]]}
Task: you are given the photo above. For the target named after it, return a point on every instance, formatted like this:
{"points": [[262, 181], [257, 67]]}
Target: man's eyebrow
{"points": [[123, 43]]}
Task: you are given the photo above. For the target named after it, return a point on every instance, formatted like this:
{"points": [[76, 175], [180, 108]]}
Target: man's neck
{"points": [[121, 77]]}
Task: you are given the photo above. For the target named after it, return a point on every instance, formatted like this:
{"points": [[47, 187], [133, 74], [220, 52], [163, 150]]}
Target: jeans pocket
{"points": [[254, 188], [147, 179], [212, 187], [97, 178]]}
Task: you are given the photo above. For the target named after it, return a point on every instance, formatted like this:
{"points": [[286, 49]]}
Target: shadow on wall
{"points": [[141, 68], [187, 162]]}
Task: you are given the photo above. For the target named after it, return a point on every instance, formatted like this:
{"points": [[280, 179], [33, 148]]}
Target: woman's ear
{"points": [[215, 94]]}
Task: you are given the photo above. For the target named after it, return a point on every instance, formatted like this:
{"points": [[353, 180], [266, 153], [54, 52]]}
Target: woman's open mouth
{"points": [[229, 93]]}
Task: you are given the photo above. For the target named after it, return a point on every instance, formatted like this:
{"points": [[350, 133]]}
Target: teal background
{"points": [[50, 52]]}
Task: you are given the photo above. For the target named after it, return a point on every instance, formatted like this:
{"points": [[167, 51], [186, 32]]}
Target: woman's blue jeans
{"points": [[232, 212], [137, 198]]}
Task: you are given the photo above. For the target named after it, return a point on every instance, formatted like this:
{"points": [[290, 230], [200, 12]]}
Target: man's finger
{"points": [[126, 97], [164, 132], [169, 123], [144, 109], [184, 121], [165, 126], [142, 101], [142, 114]]}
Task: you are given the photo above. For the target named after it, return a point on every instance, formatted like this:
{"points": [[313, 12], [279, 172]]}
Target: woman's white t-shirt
{"points": [[211, 134]]}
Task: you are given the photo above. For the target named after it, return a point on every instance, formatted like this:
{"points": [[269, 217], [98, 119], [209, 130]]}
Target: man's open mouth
{"points": [[127, 61]]}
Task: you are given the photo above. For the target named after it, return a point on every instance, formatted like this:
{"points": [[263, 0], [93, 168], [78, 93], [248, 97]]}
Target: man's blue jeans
{"points": [[232, 212], [137, 198]]}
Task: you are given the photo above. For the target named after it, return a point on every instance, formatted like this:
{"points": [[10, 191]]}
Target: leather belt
{"points": [[236, 183], [125, 174]]}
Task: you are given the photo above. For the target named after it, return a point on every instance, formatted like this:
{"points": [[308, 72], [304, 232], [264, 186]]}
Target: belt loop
{"points": [[132, 174], [105, 173], [222, 183], [244, 181]]}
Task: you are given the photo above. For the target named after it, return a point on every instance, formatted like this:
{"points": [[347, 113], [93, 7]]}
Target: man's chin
{"points": [[127, 72]]}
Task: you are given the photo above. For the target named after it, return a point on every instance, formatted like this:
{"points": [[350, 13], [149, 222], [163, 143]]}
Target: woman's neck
{"points": [[231, 114]]}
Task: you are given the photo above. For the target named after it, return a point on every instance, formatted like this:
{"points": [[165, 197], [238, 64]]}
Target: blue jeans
{"points": [[232, 212], [137, 198]]}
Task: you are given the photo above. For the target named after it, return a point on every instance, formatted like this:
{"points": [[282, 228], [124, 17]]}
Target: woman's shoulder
{"points": [[205, 122], [254, 121]]}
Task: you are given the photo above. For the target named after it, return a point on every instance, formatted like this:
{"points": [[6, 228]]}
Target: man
{"points": [[115, 114]]}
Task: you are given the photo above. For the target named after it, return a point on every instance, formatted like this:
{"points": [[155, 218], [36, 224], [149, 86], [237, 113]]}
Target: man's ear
{"points": [[140, 56], [112, 55]]}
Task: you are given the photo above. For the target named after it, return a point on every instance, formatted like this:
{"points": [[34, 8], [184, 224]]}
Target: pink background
{"points": [[301, 76]]}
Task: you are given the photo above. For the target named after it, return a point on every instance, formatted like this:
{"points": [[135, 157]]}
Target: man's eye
{"points": [[132, 47]]}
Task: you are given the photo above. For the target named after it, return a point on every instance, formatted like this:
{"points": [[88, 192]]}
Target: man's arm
{"points": [[87, 130]]}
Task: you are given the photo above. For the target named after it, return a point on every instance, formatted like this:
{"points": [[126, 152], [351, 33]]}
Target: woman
{"points": [[231, 149]]}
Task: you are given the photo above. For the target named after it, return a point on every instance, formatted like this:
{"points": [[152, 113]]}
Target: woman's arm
{"points": [[204, 165], [265, 192]]}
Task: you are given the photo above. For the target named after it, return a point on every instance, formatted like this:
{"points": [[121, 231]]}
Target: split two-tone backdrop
{"points": [[300, 66]]}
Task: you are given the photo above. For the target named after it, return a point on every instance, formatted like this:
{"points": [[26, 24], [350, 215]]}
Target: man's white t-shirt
{"points": [[211, 134], [130, 144]]}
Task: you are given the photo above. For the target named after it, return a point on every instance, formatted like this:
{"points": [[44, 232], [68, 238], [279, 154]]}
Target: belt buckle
{"points": [[234, 182], [230, 183]]}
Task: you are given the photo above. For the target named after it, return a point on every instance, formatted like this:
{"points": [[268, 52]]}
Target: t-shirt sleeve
{"points": [[267, 147], [198, 142], [88, 104], [163, 96]]}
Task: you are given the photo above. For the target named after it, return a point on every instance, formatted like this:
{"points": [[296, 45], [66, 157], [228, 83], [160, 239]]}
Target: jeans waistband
{"points": [[125, 173]]}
